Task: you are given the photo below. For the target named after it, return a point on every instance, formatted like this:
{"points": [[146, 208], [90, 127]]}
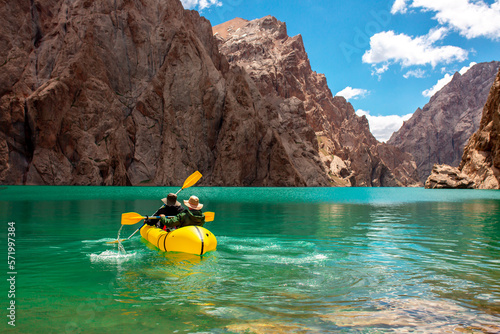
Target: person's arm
{"points": [[153, 222], [170, 222]]}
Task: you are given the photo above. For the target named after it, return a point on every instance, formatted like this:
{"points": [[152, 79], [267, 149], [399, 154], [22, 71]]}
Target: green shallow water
{"points": [[289, 260]]}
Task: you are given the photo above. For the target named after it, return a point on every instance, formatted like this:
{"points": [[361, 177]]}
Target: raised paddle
{"points": [[131, 218], [191, 180]]}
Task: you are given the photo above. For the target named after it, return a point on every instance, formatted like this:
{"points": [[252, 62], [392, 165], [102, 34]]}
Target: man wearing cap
{"points": [[193, 216], [171, 208]]}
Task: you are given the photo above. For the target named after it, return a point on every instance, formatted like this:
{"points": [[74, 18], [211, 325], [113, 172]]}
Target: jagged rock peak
{"points": [[239, 27], [229, 27], [280, 67], [438, 133]]}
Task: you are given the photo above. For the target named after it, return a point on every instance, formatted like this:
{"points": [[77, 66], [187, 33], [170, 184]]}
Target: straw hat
{"points": [[193, 203], [171, 199]]}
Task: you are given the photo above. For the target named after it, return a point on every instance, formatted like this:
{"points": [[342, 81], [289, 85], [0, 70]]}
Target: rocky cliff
{"points": [[438, 133], [280, 67], [480, 165], [136, 92], [481, 158]]}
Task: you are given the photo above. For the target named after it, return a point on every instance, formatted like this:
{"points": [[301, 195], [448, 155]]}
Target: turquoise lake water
{"points": [[289, 260]]}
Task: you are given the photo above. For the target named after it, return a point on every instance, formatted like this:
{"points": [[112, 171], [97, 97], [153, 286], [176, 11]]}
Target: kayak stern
{"points": [[189, 239]]}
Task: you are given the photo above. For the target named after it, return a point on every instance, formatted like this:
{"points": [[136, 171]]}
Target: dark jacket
{"points": [[186, 218], [167, 210]]}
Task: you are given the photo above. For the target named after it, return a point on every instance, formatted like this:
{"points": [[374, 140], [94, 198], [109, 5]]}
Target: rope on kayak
{"points": [[201, 238]]}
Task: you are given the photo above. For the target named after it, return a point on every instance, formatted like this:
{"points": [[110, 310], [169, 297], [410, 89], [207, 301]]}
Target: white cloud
{"points": [[399, 6], [418, 73], [471, 19], [382, 127], [466, 68], [352, 93], [387, 47], [444, 81], [379, 70], [200, 4]]}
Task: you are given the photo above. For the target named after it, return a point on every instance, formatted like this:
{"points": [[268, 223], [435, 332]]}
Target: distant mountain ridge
{"points": [[480, 165], [438, 133], [280, 67]]}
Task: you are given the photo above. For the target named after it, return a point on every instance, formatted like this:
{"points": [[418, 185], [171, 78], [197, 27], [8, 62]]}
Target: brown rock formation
{"points": [[447, 177], [280, 67], [480, 166], [438, 133], [481, 158], [135, 92]]}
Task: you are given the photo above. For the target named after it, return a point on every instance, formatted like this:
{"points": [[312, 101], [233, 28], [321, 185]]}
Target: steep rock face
{"points": [[481, 158], [280, 67], [129, 93], [438, 133]]}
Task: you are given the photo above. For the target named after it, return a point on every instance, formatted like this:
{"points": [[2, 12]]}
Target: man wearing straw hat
{"points": [[193, 216]]}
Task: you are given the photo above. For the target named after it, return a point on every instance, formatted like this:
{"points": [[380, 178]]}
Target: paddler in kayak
{"points": [[193, 216], [171, 208]]}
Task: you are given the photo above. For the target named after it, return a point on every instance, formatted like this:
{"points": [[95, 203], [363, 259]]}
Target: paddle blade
{"points": [[209, 216], [115, 241], [131, 218], [191, 180]]}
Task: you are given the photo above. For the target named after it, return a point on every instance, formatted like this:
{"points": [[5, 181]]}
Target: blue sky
{"points": [[385, 57]]}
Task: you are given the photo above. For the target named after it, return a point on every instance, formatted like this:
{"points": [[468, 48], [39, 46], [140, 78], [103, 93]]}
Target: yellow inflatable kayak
{"points": [[188, 239]]}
